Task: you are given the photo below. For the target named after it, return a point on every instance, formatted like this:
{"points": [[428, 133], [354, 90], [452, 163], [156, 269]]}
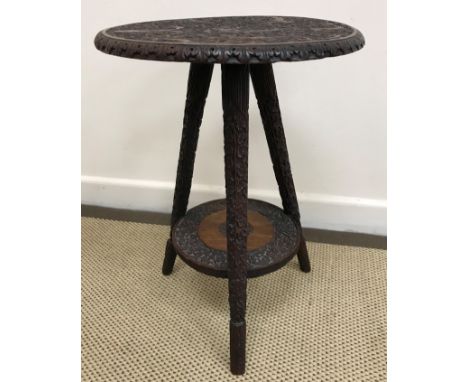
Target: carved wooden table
{"points": [[236, 237]]}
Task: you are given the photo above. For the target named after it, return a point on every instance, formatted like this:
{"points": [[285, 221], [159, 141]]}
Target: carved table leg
{"points": [[265, 90], [235, 89], [197, 91]]}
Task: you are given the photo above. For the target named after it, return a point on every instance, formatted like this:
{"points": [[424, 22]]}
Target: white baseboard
{"points": [[339, 213]]}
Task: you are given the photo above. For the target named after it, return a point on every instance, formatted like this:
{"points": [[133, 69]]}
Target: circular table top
{"points": [[231, 40]]}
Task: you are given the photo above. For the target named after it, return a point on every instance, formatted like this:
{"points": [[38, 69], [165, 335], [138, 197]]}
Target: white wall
{"points": [[334, 114]]}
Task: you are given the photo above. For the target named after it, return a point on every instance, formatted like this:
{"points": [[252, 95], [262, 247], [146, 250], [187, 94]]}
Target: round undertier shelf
{"points": [[200, 238]]}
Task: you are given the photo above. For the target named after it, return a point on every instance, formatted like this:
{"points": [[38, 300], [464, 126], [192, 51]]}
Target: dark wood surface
{"points": [[200, 238], [236, 40], [212, 230]]}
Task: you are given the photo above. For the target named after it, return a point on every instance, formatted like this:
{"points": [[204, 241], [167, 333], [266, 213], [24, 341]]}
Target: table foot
{"points": [[237, 339], [169, 258], [303, 256]]}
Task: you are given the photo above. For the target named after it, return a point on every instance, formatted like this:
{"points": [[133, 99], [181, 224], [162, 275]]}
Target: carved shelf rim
{"points": [[264, 256]]}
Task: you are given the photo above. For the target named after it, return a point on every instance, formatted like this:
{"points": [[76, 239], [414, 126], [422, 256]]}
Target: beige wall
{"points": [[334, 113]]}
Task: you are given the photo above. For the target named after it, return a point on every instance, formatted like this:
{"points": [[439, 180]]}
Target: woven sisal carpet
{"points": [[138, 325]]}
